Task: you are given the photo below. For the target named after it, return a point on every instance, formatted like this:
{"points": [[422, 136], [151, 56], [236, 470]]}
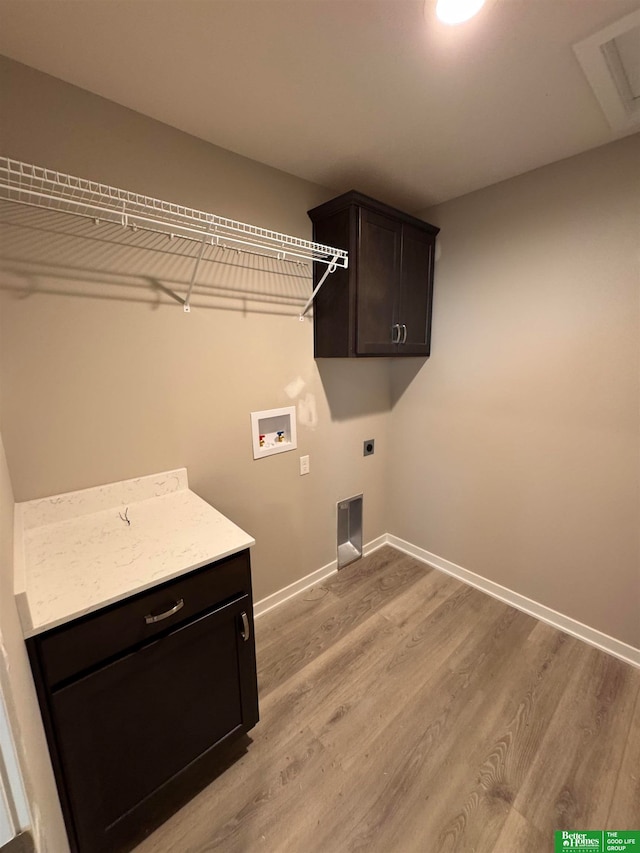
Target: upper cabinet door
{"points": [[380, 240], [416, 291]]}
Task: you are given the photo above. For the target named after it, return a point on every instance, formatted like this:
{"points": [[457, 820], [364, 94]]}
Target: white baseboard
{"points": [[376, 543], [295, 588], [601, 641]]}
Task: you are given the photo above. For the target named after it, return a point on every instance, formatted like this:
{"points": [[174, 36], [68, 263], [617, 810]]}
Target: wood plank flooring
{"points": [[402, 711]]}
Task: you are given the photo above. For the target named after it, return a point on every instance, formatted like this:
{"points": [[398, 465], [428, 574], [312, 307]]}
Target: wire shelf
{"points": [[37, 186]]}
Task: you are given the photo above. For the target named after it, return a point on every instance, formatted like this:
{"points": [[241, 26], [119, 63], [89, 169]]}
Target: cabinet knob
{"points": [[395, 333], [404, 334]]}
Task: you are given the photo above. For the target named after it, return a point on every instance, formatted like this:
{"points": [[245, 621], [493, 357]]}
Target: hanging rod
{"points": [[37, 186]]}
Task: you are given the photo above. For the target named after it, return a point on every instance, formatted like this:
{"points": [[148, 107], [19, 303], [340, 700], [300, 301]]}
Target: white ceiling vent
{"points": [[611, 61]]}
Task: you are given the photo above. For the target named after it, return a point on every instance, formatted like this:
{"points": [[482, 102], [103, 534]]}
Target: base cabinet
{"points": [[381, 304], [130, 731]]}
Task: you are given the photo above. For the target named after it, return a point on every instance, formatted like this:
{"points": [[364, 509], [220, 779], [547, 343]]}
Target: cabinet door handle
{"points": [[150, 618], [246, 630], [404, 334], [395, 333]]}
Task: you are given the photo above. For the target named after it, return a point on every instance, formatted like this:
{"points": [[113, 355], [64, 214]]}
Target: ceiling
{"points": [[368, 94]]}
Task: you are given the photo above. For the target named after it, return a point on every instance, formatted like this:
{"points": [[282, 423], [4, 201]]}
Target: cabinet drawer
{"points": [[85, 642]]}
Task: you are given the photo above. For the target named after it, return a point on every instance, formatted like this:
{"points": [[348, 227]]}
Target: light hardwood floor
{"points": [[402, 711]]}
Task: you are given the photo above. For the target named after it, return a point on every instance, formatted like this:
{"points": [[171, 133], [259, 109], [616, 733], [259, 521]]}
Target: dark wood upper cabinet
{"points": [[381, 304]]}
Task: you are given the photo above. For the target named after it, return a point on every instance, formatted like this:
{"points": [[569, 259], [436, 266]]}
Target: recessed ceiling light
{"points": [[457, 11]]}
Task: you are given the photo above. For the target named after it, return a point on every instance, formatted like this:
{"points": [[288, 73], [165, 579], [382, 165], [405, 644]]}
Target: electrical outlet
{"points": [[368, 447], [304, 465]]}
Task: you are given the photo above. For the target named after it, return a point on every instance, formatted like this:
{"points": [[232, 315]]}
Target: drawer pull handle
{"points": [[150, 619], [246, 630]]}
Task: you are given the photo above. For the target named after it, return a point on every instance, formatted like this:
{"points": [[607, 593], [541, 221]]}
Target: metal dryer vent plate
{"points": [[349, 530]]}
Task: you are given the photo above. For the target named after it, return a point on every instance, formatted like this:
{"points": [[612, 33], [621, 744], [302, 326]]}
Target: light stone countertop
{"points": [[73, 553]]}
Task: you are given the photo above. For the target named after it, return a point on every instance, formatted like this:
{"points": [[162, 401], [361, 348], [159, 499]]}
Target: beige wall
{"points": [[104, 379], [516, 446]]}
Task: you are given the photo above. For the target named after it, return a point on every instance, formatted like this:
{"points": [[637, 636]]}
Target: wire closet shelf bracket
{"points": [[37, 186]]}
